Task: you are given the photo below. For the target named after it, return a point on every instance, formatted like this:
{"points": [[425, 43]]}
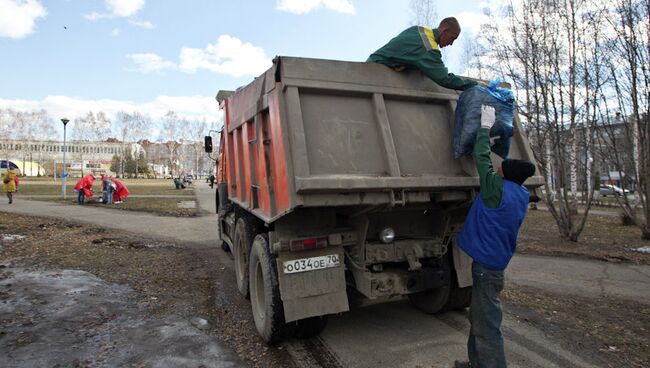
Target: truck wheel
{"points": [[459, 298], [216, 201], [310, 327], [245, 231], [220, 242], [268, 310], [432, 301]]}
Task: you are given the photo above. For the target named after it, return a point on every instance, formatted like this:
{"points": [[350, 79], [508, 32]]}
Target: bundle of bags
{"points": [[468, 119]]}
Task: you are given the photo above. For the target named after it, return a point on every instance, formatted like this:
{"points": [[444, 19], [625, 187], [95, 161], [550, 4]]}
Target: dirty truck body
{"points": [[337, 184]]}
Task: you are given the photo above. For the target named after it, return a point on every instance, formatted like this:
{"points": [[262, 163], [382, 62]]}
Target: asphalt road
{"points": [[395, 334]]}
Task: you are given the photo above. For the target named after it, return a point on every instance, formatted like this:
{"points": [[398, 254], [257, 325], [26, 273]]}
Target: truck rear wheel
{"points": [[245, 231], [459, 298], [432, 301], [268, 310]]}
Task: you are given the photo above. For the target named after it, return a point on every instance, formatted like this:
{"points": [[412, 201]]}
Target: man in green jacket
{"points": [[419, 48]]}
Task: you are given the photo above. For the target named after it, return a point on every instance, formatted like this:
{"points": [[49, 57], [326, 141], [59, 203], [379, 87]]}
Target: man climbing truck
{"points": [[336, 181]]}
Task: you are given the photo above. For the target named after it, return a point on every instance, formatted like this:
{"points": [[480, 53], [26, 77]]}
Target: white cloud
{"points": [[471, 22], [150, 62], [18, 17], [306, 6], [118, 8], [115, 32], [142, 24], [229, 55], [187, 107], [124, 8], [96, 16]]}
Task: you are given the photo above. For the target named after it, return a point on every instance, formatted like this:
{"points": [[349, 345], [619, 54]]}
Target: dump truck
{"points": [[337, 186]]}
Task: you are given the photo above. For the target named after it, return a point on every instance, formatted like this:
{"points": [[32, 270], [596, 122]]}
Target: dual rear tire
{"points": [[446, 298], [266, 303]]}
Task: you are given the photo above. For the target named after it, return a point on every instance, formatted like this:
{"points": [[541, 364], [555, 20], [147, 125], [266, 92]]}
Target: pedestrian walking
{"points": [[10, 184], [489, 237]]}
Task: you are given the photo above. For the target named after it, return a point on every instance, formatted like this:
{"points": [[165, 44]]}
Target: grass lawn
{"points": [[38, 186], [160, 206], [604, 238], [48, 189]]}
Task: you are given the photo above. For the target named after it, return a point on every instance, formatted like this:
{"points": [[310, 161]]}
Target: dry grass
{"points": [[157, 205], [604, 238], [613, 332], [34, 186]]}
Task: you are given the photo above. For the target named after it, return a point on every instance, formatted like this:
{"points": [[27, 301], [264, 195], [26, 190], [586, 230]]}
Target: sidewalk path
{"points": [[201, 230], [575, 276]]}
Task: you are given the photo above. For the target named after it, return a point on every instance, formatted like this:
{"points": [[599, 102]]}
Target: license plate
{"points": [[311, 264]]}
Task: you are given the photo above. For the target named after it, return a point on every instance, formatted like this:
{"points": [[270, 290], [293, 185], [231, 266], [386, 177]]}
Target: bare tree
{"points": [[424, 13], [90, 128], [131, 128], [626, 133], [547, 51], [198, 129], [170, 136]]}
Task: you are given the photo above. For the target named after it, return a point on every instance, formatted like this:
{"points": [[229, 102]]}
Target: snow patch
{"points": [[645, 249], [12, 237]]}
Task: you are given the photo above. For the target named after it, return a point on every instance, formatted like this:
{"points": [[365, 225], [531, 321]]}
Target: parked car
{"points": [[608, 189]]}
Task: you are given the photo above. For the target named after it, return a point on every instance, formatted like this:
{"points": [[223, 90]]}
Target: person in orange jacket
{"points": [[84, 188], [121, 192]]}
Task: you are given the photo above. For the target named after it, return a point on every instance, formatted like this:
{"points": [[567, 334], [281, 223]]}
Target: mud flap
{"points": [[312, 293], [463, 266]]}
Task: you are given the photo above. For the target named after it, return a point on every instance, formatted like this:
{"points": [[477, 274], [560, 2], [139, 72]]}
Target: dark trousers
{"points": [[485, 344], [81, 197], [10, 195]]}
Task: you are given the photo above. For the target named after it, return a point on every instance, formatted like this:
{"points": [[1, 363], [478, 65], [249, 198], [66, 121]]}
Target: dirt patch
{"points": [[614, 333], [168, 280], [604, 238], [156, 205]]}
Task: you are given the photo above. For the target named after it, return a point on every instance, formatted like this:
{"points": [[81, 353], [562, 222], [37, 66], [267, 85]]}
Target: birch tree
{"points": [[545, 49], [131, 127], [626, 130], [424, 13], [198, 129], [90, 128], [170, 136]]}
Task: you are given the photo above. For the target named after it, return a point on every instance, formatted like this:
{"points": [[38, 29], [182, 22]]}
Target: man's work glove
{"points": [[487, 116]]}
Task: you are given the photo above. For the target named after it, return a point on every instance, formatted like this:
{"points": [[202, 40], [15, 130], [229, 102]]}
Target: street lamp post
{"points": [[64, 174]]}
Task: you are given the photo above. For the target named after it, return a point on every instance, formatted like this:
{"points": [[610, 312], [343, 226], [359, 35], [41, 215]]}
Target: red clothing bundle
{"points": [[120, 190], [85, 184]]}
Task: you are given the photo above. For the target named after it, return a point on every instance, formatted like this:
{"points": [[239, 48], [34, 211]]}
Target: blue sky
{"points": [[71, 56]]}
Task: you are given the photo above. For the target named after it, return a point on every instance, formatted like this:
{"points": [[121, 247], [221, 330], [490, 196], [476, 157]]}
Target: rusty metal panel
{"points": [[282, 188]]}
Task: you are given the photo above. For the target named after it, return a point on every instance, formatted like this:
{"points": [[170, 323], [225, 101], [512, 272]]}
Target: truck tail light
{"points": [[308, 244]]}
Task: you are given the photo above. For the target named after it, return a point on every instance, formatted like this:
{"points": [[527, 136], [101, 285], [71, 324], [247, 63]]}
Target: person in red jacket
{"points": [[121, 192], [84, 188]]}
